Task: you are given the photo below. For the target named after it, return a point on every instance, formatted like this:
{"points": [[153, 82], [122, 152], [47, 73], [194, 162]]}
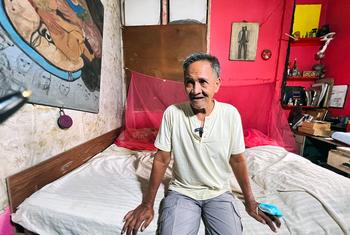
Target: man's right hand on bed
{"points": [[140, 217]]}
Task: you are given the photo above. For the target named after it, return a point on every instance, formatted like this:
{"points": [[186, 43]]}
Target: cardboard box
{"points": [[310, 73], [339, 159], [317, 125], [315, 132]]}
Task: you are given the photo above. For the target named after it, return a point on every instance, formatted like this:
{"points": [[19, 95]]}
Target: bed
{"points": [[93, 198]]}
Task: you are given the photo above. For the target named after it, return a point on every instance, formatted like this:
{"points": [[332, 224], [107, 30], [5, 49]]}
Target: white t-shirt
{"points": [[201, 167]]}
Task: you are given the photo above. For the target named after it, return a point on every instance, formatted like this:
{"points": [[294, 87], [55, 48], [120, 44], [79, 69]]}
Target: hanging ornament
{"points": [[266, 54]]}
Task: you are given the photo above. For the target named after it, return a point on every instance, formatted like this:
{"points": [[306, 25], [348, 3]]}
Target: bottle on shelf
{"points": [[295, 71], [289, 69]]}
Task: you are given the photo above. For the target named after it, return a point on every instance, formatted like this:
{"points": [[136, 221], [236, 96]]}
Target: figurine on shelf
{"points": [[323, 30], [295, 71], [312, 33], [320, 70], [327, 39], [296, 35], [289, 69]]}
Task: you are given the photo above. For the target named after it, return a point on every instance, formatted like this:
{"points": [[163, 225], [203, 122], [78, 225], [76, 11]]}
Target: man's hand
{"points": [[143, 214], [140, 217], [254, 211], [239, 167]]}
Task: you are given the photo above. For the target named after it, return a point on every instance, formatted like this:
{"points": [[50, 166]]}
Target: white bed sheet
{"points": [[313, 199], [94, 198]]}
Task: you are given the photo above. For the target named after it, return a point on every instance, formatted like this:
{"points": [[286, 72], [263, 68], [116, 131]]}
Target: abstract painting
{"points": [[54, 49]]}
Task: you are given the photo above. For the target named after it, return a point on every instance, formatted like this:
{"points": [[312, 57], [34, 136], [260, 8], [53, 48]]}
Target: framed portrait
{"points": [[244, 40], [338, 96]]}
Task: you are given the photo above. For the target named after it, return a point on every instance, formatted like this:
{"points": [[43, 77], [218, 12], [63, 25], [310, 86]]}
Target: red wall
{"points": [[274, 18], [271, 16], [337, 58]]}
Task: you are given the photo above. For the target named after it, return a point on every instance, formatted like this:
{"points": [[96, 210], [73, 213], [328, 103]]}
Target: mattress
{"points": [[94, 198]]}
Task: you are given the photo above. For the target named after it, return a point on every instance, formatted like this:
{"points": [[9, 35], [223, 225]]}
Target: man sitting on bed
{"points": [[205, 138]]}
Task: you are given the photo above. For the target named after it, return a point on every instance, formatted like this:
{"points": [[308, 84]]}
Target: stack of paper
{"points": [[342, 137]]}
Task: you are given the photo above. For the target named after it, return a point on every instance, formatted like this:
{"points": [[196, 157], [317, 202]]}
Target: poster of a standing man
{"points": [[244, 38]]}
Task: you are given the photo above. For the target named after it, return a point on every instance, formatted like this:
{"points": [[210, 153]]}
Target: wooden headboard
{"points": [[25, 183]]}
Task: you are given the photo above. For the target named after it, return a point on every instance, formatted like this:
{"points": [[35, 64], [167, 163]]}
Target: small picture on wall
{"points": [[338, 96], [244, 40]]}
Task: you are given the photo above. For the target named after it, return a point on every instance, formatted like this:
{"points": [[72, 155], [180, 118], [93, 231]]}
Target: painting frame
{"points": [[244, 41], [53, 50]]}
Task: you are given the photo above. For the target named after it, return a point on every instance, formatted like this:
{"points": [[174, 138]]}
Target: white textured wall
{"points": [[31, 135]]}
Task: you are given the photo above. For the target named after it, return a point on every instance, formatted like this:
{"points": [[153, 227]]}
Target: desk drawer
{"points": [[337, 159]]}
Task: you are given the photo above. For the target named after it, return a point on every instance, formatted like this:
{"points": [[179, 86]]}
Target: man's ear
{"points": [[218, 83]]}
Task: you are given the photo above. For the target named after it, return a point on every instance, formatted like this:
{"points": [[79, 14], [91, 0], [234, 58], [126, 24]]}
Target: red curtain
{"points": [[262, 115]]}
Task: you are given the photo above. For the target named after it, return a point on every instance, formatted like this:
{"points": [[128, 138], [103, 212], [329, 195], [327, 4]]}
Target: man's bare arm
{"points": [[160, 164], [239, 168], [143, 214]]}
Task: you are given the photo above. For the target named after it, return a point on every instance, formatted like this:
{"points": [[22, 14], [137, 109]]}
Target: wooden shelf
{"points": [[302, 106], [306, 42], [301, 78]]}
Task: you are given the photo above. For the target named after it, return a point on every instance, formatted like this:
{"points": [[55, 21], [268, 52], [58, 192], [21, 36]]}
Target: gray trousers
{"points": [[181, 215]]}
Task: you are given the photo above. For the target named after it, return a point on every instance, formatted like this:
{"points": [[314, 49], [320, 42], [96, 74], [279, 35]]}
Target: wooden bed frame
{"points": [[25, 183]]}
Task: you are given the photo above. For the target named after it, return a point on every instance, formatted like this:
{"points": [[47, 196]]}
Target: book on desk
{"points": [[316, 128]]}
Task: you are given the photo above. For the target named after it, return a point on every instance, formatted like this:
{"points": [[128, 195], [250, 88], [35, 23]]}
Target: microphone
{"points": [[199, 130]]}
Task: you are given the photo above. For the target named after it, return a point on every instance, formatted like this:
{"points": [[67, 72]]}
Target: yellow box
{"points": [[306, 17]]}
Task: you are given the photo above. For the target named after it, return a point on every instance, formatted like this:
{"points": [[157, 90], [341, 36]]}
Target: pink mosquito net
{"points": [[262, 116]]}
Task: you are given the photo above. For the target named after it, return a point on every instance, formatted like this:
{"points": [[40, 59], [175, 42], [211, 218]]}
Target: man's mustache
{"points": [[202, 95]]}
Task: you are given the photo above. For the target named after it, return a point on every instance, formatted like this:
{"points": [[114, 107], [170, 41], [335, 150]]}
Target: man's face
{"points": [[201, 84]]}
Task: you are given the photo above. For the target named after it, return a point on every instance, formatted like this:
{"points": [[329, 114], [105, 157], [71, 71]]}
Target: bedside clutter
{"points": [[325, 129], [339, 123], [317, 149], [315, 144]]}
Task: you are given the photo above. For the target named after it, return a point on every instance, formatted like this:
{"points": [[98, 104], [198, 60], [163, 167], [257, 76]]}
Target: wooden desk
{"points": [[316, 149]]}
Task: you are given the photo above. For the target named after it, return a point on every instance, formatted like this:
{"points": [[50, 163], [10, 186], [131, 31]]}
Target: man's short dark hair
{"points": [[200, 56]]}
